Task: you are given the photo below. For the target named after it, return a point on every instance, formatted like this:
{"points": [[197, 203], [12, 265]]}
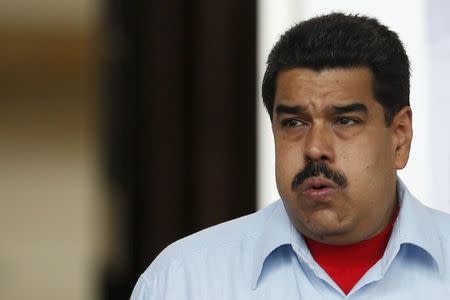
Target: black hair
{"points": [[339, 40]]}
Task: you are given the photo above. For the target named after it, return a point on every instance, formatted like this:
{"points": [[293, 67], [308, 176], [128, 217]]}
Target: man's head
{"points": [[343, 41], [337, 91]]}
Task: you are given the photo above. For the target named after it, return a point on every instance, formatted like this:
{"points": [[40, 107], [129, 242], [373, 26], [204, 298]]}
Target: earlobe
{"points": [[402, 130]]}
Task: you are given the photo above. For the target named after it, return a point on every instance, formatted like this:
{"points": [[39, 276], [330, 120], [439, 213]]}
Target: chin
{"points": [[324, 234], [326, 225]]}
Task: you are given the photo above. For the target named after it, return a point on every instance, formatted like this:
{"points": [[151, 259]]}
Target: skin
{"points": [[357, 143]]}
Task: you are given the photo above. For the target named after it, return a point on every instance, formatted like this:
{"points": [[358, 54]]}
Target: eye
{"points": [[346, 121], [291, 123]]}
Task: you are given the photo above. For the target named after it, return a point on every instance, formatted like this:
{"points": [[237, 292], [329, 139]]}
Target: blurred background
{"points": [[125, 125]]}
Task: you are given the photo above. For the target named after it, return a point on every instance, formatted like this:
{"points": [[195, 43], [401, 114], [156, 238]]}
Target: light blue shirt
{"points": [[262, 256]]}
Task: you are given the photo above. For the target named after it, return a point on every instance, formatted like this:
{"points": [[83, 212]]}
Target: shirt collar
{"points": [[276, 232], [414, 226]]}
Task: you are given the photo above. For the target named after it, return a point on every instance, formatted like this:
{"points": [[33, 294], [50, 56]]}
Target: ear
{"points": [[402, 136]]}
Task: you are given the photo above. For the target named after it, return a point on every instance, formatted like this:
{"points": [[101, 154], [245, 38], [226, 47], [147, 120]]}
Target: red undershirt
{"points": [[347, 264]]}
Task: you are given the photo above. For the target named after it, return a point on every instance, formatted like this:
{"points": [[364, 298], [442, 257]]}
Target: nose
{"points": [[318, 145]]}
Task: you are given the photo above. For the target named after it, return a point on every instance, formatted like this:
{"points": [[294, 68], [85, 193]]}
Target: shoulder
{"points": [[220, 246], [441, 222], [217, 238]]}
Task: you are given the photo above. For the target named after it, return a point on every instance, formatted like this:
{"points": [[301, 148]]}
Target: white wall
{"points": [[419, 175], [438, 39], [274, 17]]}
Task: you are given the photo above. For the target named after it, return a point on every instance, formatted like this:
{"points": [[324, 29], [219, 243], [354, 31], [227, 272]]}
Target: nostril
{"points": [[324, 157]]}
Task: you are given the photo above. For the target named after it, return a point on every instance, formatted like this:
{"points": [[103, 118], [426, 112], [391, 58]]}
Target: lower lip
{"points": [[319, 194]]}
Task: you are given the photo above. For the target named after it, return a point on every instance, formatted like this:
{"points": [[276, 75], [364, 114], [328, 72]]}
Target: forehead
{"points": [[302, 86]]}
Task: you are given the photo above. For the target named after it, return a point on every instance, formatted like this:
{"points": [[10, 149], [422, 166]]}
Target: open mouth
{"points": [[318, 187], [318, 183]]}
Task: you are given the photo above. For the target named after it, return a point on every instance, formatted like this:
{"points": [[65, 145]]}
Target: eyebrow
{"points": [[353, 107], [336, 109], [285, 109]]}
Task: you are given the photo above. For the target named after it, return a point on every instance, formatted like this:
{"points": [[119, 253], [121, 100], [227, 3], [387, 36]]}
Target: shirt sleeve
{"points": [[141, 291]]}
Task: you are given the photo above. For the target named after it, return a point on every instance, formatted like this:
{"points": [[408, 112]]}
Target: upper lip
{"points": [[318, 182]]}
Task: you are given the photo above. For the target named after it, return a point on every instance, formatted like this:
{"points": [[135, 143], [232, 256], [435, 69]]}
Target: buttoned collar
{"points": [[414, 226]]}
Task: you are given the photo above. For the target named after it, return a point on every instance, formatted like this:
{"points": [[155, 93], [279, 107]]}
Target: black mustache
{"points": [[314, 169]]}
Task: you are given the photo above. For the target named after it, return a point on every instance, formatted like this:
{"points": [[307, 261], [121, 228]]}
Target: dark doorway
{"points": [[180, 121]]}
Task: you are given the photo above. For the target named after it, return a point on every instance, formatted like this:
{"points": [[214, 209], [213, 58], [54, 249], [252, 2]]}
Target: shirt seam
{"points": [[146, 283], [175, 263]]}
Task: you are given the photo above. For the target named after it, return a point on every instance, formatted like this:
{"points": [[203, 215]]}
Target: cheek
{"points": [[288, 162], [367, 162]]}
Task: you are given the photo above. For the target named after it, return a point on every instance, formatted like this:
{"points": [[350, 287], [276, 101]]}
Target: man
{"points": [[337, 92]]}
